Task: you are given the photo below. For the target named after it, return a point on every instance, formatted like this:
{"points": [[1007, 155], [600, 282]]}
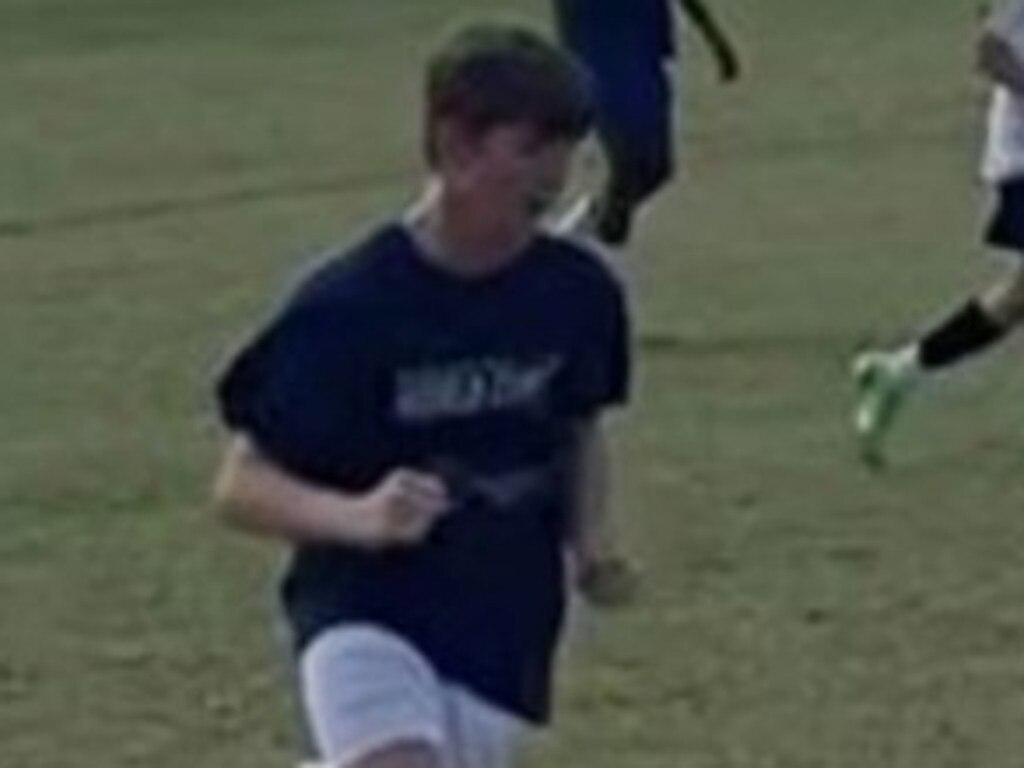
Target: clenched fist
{"points": [[400, 510]]}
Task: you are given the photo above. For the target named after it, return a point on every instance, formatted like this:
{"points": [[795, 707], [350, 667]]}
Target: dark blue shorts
{"points": [[1005, 228]]}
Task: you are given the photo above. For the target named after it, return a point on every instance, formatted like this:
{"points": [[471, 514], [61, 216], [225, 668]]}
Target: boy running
{"points": [[423, 423]]}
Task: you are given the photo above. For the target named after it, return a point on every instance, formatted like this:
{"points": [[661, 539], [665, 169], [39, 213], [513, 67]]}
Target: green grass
{"points": [[167, 166]]}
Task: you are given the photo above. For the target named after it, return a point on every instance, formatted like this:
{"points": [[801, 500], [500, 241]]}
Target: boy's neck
{"points": [[459, 238]]}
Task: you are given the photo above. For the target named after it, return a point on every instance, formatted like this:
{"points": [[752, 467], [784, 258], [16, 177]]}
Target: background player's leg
{"points": [[634, 128], [638, 147], [884, 378]]}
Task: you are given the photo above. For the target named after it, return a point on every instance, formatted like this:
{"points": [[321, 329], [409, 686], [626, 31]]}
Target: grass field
{"points": [[167, 164]]}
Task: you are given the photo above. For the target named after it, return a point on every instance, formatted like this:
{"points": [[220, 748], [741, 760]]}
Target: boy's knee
{"points": [[407, 754]]}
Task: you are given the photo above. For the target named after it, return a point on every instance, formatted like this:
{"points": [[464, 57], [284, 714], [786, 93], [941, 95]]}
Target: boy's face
{"points": [[511, 174]]}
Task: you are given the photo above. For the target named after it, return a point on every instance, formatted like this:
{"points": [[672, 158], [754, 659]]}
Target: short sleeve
{"points": [[1007, 20], [599, 372], [288, 390]]}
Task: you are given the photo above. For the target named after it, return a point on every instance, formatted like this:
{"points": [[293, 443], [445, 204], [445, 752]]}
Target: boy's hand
{"points": [[401, 510], [608, 581]]}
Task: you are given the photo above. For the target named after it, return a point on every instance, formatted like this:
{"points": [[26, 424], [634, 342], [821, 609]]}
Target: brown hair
{"points": [[487, 75]]}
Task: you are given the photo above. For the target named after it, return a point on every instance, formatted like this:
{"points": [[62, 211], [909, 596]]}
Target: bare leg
{"points": [[410, 754], [1003, 302]]}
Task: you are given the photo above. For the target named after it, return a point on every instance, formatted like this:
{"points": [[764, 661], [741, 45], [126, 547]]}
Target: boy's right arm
{"points": [[254, 494]]}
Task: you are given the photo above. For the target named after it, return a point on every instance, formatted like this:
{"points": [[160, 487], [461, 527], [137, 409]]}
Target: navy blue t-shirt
{"points": [[616, 30], [381, 359]]}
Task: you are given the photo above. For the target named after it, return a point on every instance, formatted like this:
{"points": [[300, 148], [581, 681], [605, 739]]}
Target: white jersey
{"points": [[1004, 149]]}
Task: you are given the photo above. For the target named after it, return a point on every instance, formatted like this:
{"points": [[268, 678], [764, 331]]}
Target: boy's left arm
{"points": [[721, 46], [600, 569]]}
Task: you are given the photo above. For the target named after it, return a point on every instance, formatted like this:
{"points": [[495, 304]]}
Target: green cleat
{"points": [[882, 386]]}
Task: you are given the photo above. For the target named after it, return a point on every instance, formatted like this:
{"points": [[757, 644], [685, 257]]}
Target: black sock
{"points": [[968, 330]]}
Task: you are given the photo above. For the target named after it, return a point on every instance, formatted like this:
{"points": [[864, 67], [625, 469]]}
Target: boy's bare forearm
{"points": [[592, 532], [253, 494], [601, 571]]}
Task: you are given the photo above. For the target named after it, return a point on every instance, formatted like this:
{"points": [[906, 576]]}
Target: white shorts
{"points": [[364, 688]]}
